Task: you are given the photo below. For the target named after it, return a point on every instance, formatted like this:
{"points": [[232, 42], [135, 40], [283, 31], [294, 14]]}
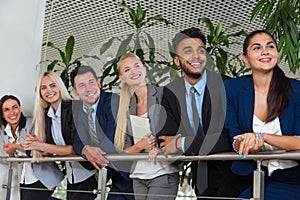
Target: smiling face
{"points": [[50, 92], [191, 57], [132, 71], [262, 53], [11, 112], [87, 87]]}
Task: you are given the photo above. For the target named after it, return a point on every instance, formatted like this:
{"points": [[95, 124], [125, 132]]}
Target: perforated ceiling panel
{"points": [[87, 22]]}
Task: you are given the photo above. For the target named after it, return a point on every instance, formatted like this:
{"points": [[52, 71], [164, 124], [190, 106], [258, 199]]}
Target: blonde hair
{"points": [[40, 107], [125, 97]]}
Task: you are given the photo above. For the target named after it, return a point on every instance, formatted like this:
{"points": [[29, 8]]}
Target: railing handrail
{"points": [[258, 183], [281, 155]]}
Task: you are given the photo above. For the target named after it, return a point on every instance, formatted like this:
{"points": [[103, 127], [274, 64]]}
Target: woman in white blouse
{"points": [[14, 127], [263, 114]]}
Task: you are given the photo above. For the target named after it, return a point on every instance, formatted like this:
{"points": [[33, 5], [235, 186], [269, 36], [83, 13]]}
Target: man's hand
{"points": [[96, 156], [170, 144]]}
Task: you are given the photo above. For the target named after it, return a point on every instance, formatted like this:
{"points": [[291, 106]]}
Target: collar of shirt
{"points": [[53, 115], [9, 133], [199, 86], [95, 105]]}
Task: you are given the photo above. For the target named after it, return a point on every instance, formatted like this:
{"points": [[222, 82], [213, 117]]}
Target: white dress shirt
{"points": [[272, 127], [75, 171]]}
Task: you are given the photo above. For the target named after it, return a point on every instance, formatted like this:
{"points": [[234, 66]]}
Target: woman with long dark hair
{"points": [[263, 114], [15, 125]]}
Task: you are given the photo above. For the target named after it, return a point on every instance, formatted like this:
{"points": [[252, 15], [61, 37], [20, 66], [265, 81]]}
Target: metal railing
{"points": [[258, 175]]}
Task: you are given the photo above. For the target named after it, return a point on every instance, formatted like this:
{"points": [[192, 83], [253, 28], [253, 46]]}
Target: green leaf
{"points": [[140, 54], [124, 46], [208, 23], [50, 44], [106, 45], [218, 30], [69, 49], [130, 11], [151, 47], [171, 50], [51, 66], [163, 20], [257, 9], [65, 77]]}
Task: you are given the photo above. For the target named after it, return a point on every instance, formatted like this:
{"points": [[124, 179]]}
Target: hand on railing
{"points": [[96, 156], [153, 153], [170, 144], [248, 143]]}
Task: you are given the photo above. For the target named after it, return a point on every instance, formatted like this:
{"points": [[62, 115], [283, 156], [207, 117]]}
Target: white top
{"points": [[272, 127], [75, 171], [151, 169], [26, 175], [3, 172]]}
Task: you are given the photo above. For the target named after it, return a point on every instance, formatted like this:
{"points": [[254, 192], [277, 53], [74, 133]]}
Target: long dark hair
{"points": [[3, 122], [278, 95]]}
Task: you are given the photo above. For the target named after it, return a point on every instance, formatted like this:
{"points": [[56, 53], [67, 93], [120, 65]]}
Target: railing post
{"points": [[258, 182], [102, 176], [9, 180]]}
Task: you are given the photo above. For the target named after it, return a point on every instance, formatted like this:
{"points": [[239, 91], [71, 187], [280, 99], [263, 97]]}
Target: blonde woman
{"points": [[54, 132], [142, 99]]}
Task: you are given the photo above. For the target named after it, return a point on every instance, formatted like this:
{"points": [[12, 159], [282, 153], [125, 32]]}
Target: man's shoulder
{"points": [[176, 84]]}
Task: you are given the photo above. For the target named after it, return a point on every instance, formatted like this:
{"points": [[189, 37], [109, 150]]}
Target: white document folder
{"points": [[140, 127]]}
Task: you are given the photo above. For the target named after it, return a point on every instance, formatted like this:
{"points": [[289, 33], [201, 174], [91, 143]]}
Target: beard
{"points": [[189, 73]]}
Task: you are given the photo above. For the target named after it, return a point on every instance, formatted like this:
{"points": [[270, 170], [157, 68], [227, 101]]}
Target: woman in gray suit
{"points": [[140, 99], [14, 126]]}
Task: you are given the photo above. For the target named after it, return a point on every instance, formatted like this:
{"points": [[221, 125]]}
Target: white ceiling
{"points": [[87, 20]]}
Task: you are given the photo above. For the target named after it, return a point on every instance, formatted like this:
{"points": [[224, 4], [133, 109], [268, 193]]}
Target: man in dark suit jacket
{"points": [[87, 87], [210, 137]]}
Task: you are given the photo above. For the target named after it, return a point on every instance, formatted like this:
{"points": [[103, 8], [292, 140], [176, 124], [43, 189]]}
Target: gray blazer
{"points": [[154, 112]]}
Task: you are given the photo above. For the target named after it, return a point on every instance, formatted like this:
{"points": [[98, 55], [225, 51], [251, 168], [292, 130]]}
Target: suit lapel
{"points": [[247, 103], [206, 110], [153, 108], [180, 94], [212, 116]]}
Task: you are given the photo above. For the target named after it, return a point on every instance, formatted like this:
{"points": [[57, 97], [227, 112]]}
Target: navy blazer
{"points": [[240, 111], [105, 113]]}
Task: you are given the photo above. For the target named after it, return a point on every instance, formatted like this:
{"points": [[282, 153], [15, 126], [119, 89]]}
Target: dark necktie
{"points": [[92, 132], [202, 165], [194, 109]]}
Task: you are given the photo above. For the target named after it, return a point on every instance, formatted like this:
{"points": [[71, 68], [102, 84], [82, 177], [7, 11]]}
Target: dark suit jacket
{"points": [[240, 111], [105, 114], [212, 138]]}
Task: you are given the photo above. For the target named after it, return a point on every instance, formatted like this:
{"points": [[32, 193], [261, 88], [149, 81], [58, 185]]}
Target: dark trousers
{"points": [[222, 182], [39, 191], [120, 183], [82, 190]]}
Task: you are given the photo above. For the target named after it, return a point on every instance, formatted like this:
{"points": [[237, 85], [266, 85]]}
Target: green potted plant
{"points": [[64, 65], [139, 42], [218, 45], [282, 19]]}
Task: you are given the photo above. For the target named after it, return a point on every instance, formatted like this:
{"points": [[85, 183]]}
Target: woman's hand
{"points": [[31, 142], [147, 142], [248, 143], [153, 153], [10, 149]]}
